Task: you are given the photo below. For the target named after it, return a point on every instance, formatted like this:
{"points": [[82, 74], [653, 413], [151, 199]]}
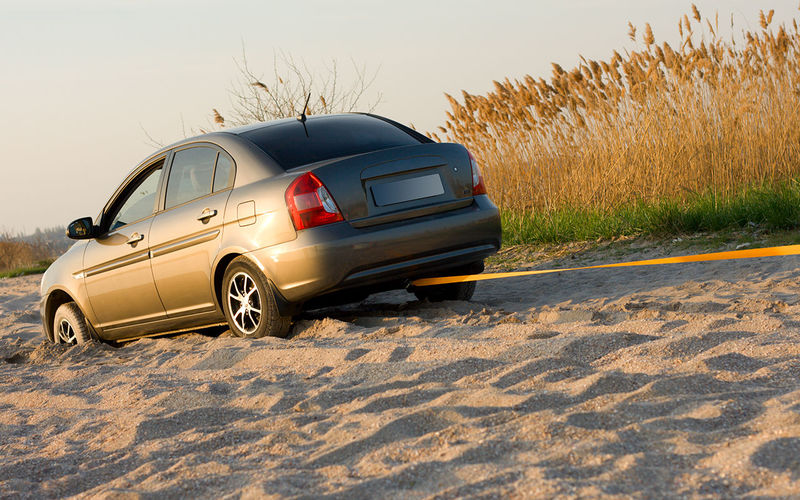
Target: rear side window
{"points": [[223, 175], [328, 137], [190, 175]]}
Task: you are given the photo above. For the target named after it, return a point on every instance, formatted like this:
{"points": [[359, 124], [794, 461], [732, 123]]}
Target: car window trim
{"points": [[162, 187], [163, 211], [116, 230]]}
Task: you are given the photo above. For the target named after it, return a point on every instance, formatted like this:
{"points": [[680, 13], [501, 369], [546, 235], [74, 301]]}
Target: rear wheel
{"points": [[249, 304], [451, 291], [69, 325]]}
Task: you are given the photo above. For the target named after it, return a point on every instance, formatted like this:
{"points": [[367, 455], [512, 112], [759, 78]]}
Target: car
{"points": [[249, 226]]}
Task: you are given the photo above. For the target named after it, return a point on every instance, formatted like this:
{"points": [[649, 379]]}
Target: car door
{"points": [[117, 271], [186, 235]]}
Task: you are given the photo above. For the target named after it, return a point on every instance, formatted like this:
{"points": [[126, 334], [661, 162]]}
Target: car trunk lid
{"points": [[398, 183]]}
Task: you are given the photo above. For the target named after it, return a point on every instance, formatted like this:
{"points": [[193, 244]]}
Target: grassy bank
{"points": [[773, 206], [37, 268]]}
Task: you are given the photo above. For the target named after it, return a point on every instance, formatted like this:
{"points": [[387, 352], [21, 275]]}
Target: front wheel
{"points": [[69, 325], [249, 304]]}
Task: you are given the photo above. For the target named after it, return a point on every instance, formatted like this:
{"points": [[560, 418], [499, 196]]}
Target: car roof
{"points": [[342, 118]]}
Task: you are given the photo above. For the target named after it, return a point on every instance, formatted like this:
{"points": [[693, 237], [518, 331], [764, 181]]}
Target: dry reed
{"points": [[713, 114], [16, 254], [27, 251]]}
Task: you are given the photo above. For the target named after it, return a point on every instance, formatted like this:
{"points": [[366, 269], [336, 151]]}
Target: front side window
{"points": [[191, 175], [140, 202]]}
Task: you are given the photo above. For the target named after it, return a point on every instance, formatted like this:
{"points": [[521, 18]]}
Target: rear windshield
{"points": [[328, 137]]}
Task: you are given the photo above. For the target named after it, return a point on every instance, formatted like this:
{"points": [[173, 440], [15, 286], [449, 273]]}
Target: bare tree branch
{"points": [[150, 141], [257, 99]]}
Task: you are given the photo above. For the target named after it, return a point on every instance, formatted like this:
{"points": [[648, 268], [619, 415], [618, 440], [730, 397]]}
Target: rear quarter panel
{"points": [[256, 217]]}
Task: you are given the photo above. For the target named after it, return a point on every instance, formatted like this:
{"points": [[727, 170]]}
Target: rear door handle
{"points": [[135, 238], [206, 214]]}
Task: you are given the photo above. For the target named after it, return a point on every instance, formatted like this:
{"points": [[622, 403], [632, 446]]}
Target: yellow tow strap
{"points": [[704, 257]]}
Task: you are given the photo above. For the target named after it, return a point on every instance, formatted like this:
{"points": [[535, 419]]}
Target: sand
{"points": [[680, 380]]}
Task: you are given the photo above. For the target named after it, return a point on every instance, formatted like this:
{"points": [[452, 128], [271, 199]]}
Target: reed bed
{"points": [[702, 120], [21, 254]]}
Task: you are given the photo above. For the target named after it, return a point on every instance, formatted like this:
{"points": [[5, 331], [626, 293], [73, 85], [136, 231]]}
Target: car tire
{"points": [[451, 291], [70, 326], [249, 304]]}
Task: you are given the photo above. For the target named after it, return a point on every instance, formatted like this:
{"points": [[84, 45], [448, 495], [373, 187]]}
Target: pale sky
{"points": [[81, 79]]}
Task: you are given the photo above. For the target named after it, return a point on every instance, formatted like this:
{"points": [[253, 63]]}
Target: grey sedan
{"points": [[250, 226]]}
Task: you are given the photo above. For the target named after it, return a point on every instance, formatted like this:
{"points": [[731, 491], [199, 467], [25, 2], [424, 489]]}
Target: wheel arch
{"points": [[55, 299], [219, 273], [285, 307]]}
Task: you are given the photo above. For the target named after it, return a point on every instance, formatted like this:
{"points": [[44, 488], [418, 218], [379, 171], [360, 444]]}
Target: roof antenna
{"points": [[302, 116]]}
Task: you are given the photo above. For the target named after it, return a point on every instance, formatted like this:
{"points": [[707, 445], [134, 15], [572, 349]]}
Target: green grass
{"points": [[771, 207], [39, 267]]}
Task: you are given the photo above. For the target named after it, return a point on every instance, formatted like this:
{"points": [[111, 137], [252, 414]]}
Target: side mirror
{"points": [[81, 229]]}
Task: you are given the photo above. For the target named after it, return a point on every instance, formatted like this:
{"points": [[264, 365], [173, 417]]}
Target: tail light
{"points": [[478, 187], [310, 204]]}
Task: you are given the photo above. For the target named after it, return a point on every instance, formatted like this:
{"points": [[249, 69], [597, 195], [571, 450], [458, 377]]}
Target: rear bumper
{"points": [[338, 256]]}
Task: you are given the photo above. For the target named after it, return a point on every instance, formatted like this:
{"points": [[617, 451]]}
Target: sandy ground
{"points": [[679, 380]]}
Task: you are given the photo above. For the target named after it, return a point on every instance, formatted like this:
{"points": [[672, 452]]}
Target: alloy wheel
{"points": [[66, 334], [244, 302]]}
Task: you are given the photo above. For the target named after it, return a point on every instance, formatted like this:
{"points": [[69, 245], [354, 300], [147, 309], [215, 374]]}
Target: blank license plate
{"points": [[417, 188]]}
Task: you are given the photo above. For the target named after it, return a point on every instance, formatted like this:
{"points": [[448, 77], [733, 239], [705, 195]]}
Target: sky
{"points": [[84, 82]]}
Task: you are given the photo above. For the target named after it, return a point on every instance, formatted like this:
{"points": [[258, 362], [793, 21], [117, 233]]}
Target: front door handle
{"points": [[206, 214], [135, 238]]}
